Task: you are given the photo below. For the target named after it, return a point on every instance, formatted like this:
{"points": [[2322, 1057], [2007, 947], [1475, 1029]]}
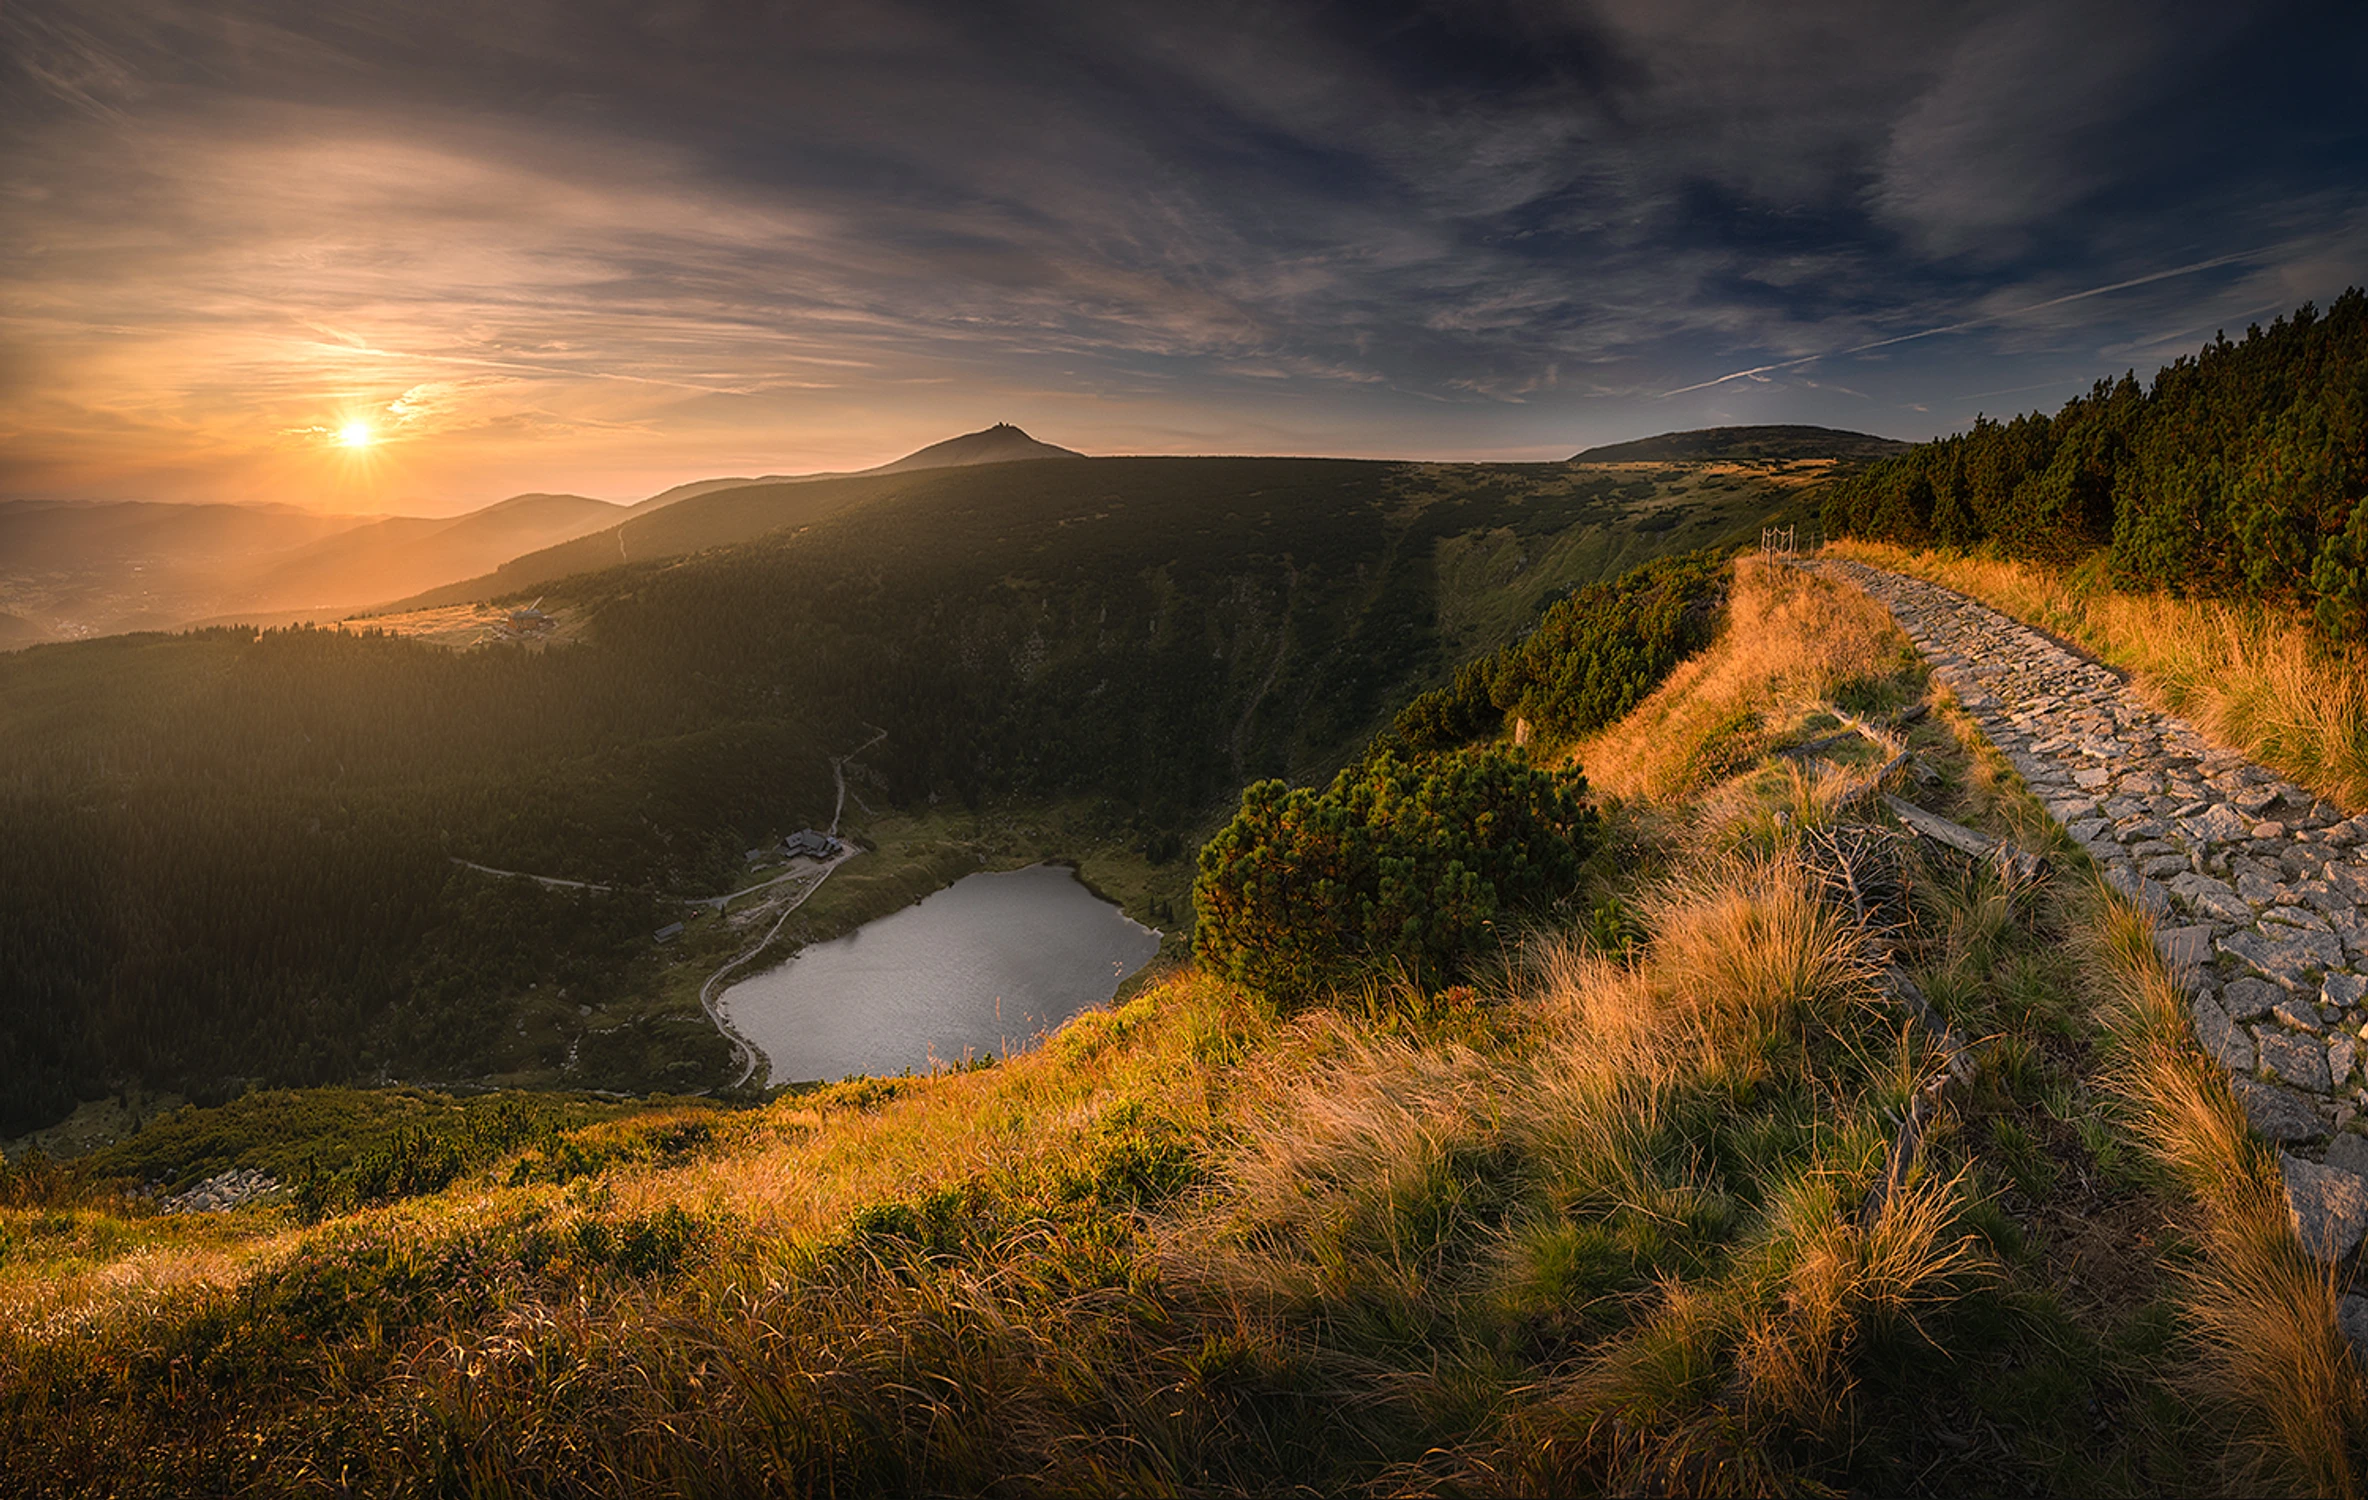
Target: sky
{"points": [[600, 247]]}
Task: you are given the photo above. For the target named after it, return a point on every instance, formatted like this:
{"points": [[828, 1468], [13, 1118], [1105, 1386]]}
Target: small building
{"points": [[669, 932], [810, 844], [757, 856]]}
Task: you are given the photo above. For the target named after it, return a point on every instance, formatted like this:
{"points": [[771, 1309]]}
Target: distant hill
{"points": [[1001, 443], [1779, 441], [716, 513], [75, 569], [403, 554], [716, 518], [72, 568], [80, 569]]}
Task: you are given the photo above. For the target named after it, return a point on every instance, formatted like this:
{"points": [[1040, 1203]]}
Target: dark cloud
{"points": [[1374, 225]]}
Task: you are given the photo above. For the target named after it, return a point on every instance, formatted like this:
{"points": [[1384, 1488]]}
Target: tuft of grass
{"points": [[2271, 1355]]}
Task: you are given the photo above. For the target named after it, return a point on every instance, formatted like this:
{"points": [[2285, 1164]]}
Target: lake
{"points": [[981, 967]]}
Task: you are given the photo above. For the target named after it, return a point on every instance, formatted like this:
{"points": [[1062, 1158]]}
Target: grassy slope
{"points": [[1598, 1229]]}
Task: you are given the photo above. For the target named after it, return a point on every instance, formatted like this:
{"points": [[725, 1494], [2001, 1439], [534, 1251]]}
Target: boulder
{"points": [[2184, 949], [2348, 1152], [2209, 897], [2351, 1315], [2343, 991], [2248, 999], [2285, 956]]}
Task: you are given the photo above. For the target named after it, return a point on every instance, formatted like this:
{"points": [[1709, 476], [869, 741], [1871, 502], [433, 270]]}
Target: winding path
{"points": [[547, 882], [750, 1057], [745, 1049], [2260, 889]]}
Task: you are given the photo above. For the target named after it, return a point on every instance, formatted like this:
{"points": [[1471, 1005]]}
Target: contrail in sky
{"points": [[1905, 338]]}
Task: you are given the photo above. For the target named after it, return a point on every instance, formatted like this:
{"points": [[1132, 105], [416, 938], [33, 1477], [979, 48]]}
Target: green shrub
{"points": [[1593, 656], [1406, 863]]}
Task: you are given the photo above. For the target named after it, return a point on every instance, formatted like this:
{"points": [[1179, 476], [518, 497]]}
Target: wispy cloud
{"points": [[1982, 321], [620, 245]]}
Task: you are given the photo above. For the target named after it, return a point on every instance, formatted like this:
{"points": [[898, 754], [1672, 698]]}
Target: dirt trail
{"points": [[838, 772]]}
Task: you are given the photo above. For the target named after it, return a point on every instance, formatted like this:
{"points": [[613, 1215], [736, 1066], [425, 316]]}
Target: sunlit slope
{"points": [[232, 855], [716, 518], [401, 554], [1640, 1218]]}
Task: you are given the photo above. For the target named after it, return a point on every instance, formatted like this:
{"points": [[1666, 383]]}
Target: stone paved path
{"points": [[2260, 889]]}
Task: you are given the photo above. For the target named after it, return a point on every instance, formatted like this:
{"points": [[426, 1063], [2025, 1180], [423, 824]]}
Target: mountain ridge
{"points": [[109, 566], [1781, 440], [711, 514]]}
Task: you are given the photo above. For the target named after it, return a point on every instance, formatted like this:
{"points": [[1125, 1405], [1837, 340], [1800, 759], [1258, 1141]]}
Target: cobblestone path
{"points": [[2260, 889]]}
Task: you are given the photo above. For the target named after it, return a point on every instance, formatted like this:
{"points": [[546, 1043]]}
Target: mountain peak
{"points": [[1000, 443]]}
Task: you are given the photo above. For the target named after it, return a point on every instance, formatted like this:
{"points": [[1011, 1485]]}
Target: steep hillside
{"points": [[1746, 444], [1783, 1154], [237, 850]]}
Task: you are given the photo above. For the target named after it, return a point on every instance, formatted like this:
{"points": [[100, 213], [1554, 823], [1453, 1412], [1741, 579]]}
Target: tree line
{"points": [[2240, 471]]}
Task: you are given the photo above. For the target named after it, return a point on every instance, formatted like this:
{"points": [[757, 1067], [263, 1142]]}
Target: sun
{"points": [[355, 434]]}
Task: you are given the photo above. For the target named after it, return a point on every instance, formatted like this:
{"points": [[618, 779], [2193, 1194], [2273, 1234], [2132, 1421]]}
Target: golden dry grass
{"points": [[1604, 1231], [2249, 677], [1792, 639], [1378, 1180], [2272, 1357]]}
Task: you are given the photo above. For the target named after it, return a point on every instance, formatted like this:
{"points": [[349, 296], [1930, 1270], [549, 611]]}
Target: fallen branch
{"points": [[2019, 865], [1880, 733], [1905, 1146], [1874, 783]]}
